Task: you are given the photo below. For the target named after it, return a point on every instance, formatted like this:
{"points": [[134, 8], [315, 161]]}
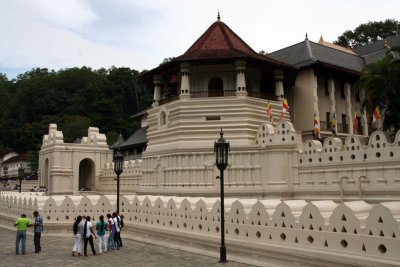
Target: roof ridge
{"points": [[355, 55], [309, 51]]}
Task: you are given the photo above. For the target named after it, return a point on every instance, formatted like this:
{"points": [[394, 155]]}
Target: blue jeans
{"points": [[111, 243], [21, 235]]}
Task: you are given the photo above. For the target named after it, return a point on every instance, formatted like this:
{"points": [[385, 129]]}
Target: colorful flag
{"points": [[317, 128], [377, 114], [285, 107], [269, 112], [355, 123], [334, 124]]}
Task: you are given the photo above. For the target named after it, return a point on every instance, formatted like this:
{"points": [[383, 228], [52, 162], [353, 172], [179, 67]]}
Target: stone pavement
{"points": [[56, 251]]}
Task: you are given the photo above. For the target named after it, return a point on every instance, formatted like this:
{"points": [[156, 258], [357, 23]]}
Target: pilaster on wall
{"points": [[347, 92], [185, 81], [279, 90], [157, 80], [332, 101], [240, 66]]}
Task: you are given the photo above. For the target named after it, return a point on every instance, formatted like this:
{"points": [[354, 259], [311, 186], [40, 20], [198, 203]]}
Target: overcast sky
{"points": [[139, 34]]}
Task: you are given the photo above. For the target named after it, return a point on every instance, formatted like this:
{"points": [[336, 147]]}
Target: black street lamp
{"points": [[221, 149], [118, 168], [21, 173]]}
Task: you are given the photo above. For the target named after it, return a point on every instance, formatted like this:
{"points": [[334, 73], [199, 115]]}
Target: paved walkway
{"points": [[56, 251]]}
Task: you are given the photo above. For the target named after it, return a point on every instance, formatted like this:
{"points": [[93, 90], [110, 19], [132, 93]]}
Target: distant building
{"points": [[11, 162]]}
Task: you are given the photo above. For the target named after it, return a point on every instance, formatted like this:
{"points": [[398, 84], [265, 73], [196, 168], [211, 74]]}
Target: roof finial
{"points": [[218, 17], [306, 36]]}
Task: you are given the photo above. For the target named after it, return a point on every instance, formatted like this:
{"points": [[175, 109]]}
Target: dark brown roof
{"points": [[218, 44], [20, 157]]}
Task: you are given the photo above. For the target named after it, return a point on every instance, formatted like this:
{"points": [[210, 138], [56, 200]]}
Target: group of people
{"points": [[38, 189], [22, 225], [85, 231]]}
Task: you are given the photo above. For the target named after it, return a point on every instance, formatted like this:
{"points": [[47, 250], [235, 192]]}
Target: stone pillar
{"points": [[279, 91], [347, 93], [157, 80], [364, 113], [240, 66], [315, 99], [185, 81], [332, 101]]}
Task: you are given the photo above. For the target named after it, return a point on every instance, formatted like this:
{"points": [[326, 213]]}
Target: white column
{"points": [[157, 80], [240, 66], [279, 91], [185, 81], [364, 115], [332, 101], [315, 98], [347, 92]]}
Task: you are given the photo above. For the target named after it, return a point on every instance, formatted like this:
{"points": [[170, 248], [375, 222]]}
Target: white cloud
{"points": [[139, 34]]}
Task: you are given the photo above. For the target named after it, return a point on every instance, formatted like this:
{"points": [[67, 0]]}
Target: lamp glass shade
{"points": [[221, 149], [118, 162]]}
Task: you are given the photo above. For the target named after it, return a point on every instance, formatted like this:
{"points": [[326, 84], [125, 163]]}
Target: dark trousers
{"points": [[36, 241], [116, 234], [90, 239], [119, 239]]}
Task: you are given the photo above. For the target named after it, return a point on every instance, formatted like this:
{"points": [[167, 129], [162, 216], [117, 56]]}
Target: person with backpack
{"points": [[117, 229], [102, 227], [120, 224]]}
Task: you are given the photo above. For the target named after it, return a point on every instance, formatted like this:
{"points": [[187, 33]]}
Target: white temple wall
{"points": [[258, 231]]}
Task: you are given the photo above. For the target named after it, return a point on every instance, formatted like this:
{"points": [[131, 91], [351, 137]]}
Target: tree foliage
{"points": [[381, 81], [74, 98], [370, 32]]}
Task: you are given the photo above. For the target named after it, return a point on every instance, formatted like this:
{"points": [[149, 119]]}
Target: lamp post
{"points": [[21, 173], [118, 162], [221, 149]]}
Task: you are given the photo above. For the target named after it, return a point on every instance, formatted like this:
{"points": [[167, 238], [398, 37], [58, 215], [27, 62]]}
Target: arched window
{"points": [[163, 118], [215, 87]]}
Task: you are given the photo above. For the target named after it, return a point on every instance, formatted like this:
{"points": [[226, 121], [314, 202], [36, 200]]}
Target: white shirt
{"points": [[88, 226], [116, 224]]}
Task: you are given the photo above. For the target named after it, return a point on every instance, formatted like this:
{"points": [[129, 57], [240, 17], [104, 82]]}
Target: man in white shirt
{"points": [[117, 229]]}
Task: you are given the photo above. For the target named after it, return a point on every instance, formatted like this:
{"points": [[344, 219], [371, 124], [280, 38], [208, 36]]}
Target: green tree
{"points": [[370, 32], [381, 81]]}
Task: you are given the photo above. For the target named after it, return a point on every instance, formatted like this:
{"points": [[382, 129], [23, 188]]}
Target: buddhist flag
{"points": [[355, 123], [317, 128], [376, 115], [285, 107], [269, 112], [334, 124]]}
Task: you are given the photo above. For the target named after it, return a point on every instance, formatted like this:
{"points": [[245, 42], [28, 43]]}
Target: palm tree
{"points": [[381, 81]]}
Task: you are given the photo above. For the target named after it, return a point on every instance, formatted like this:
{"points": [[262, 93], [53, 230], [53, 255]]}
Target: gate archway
{"points": [[86, 175]]}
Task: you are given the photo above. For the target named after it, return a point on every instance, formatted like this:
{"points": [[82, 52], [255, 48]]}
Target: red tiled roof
{"points": [[219, 40]]}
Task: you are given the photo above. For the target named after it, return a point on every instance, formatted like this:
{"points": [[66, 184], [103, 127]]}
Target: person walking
{"points": [[111, 226], [22, 224], [102, 227], [117, 229], [37, 231], [88, 234], [78, 232], [120, 225]]}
